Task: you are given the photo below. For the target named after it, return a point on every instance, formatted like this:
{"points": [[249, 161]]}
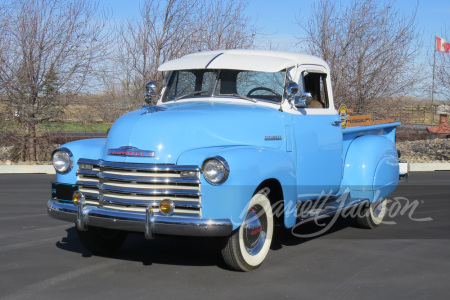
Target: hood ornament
{"points": [[152, 109], [131, 151]]}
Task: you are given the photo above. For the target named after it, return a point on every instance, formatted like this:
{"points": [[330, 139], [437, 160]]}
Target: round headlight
{"points": [[215, 170], [62, 161]]}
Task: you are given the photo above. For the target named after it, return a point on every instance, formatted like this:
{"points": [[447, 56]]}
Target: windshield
{"points": [[249, 85]]}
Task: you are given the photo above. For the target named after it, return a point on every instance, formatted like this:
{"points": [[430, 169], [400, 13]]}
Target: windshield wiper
{"points": [[240, 96], [190, 95]]}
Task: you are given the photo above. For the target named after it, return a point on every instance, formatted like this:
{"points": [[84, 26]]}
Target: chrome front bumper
{"points": [[85, 215]]}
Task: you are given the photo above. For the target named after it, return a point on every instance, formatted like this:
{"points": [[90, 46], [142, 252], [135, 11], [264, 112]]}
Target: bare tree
{"points": [[161, 33], [169, 29], [52, 47], [369, 46], [222, 25]]}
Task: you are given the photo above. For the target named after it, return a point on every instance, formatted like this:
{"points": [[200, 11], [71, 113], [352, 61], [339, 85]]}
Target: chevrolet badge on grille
{"points": [[130, 151]]}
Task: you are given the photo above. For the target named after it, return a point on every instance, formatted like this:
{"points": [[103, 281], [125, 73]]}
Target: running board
{"points": [[322, 208]]}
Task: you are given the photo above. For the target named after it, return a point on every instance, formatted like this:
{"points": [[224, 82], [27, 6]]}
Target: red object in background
{"points": [[442, 45], [442, 127]]}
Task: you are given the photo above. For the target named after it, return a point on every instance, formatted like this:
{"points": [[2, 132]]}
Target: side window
{"points": [[181, 83], [316, 84], [261, 85]]}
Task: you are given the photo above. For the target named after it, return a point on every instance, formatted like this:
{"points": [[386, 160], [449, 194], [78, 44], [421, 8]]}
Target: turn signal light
{"points": [[166, 207], [77, 195]]}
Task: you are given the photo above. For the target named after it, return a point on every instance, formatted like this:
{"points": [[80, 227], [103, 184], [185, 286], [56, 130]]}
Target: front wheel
{"points": [[373, 215], [248, 246], [102, 241]]}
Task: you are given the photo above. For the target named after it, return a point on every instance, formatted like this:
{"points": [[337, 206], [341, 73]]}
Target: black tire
{"points": [[102, 241], [249, 245], [373, 215]]}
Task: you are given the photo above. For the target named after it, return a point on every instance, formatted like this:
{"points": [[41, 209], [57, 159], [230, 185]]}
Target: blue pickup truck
{"points": [[236, 143]]}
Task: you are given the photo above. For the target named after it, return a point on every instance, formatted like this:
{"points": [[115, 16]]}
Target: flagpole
{"points": [[432, 86]]}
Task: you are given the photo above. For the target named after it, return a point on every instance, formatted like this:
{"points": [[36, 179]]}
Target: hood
{"points": [[167, 131]]}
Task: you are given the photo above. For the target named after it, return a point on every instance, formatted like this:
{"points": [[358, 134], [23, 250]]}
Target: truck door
{"points": [[318, 136]]}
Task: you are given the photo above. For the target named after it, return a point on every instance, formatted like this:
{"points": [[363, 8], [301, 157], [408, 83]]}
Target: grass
{"points": [[74, 127]]}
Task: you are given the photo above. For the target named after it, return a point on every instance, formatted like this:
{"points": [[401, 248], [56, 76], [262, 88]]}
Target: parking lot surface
{"points": [[407, 258]]}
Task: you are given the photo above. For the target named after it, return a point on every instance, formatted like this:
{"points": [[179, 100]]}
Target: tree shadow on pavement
{"points": [[161, 250], [308, 231]]}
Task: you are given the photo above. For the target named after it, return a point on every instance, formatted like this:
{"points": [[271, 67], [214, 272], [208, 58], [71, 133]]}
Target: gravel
{"points": [[435, 150]]}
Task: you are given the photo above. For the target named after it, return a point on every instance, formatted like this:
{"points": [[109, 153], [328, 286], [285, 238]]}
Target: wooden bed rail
{"points": [[364, 120]]}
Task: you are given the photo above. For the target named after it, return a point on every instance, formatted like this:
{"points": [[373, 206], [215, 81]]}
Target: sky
{"points": [[277, 19]]}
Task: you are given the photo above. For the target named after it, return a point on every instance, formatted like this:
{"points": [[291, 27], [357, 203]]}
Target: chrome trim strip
{"points": [[146, 167], [89, 161], [88, 184], [137, 166], [133, 221], [90, 196], [65, 150], [178, 204], [87, 172], [144, 191], [148, 179]]}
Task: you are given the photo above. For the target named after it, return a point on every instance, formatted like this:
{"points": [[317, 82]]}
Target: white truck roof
{"points": [[249, 60]]}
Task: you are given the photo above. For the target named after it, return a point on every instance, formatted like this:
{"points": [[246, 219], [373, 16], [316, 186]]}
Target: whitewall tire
{"points": [[249, 245], [373, 215]]}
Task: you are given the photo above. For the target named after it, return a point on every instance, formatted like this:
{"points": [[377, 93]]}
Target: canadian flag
{"points": [[442, 45]]}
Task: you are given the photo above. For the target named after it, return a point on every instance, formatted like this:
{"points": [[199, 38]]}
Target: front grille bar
{"points": [[144, 167], [133, 186], [155, 192], [148, 179]]}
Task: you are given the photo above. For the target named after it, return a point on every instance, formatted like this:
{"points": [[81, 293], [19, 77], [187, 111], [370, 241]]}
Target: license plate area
{"points": [[63, 191]]}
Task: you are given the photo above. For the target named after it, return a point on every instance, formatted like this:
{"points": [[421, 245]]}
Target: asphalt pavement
{"points": [[406, 258]]}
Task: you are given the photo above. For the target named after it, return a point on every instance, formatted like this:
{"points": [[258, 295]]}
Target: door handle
{"points": [[336, 123]]}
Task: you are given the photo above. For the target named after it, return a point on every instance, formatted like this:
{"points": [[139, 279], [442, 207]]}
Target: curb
{"points": [[415, 167], [48, 169], [27, 169]]}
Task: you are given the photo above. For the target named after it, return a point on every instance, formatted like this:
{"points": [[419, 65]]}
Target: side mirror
{"points": [[291, 90], [150, 94], [303, 101]]}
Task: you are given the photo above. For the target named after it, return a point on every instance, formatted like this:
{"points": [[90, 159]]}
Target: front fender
{"points": [[249, 167], [89, 148]]}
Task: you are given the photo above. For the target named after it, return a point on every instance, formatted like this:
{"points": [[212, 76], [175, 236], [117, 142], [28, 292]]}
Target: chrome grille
{"points": [[133, 187]]}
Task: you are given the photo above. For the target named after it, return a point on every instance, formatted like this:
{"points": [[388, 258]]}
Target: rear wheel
{"points": [[248, 246], [373, 215], [102, 241]]}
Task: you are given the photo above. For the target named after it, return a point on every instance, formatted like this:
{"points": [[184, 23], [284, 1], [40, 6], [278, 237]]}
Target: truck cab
{"points": [[236, 142]]}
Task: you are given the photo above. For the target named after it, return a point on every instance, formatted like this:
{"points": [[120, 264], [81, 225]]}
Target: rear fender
{"points": [[370, 168]]}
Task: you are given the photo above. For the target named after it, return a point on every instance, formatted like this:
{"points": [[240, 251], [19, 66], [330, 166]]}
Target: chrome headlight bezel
{"points": [[65, 156], [221, 167]]}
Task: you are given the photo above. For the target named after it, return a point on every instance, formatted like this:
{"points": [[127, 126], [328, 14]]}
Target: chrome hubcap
{"points": [[255, 227], [377, 208]]}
